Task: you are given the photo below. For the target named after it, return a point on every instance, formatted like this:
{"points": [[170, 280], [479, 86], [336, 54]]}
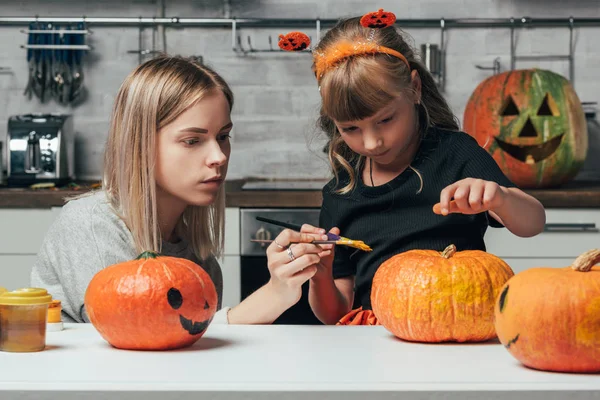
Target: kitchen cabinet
{"points": [[568, 234], [232, 293], [519, 264], [22, 230], [21, 234], [15, 270], [230, 262]]}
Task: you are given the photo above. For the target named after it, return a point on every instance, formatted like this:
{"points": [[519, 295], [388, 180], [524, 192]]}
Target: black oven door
{"points": [[255, 274], [253, 260]]}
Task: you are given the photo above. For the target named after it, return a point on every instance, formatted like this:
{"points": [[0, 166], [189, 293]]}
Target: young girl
{"points": [[165, 164], [396, 150]]}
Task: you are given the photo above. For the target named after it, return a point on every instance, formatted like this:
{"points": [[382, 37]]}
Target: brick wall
{"points": [[276, 95]]}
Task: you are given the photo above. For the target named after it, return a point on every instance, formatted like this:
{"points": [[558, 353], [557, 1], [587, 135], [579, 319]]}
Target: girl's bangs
{"points": [[357, 89]]}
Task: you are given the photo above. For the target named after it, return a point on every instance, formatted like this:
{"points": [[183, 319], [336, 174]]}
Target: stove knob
{"points": [[262, 234]]}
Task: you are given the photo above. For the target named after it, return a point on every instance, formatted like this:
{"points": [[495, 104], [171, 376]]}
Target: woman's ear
{"points": [[416, 85]]}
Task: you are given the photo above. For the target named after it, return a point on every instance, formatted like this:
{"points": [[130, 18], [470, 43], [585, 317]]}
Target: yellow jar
{"points": [[23, 314]]}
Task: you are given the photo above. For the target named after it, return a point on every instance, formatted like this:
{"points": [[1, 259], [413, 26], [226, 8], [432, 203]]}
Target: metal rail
{"points": [[236, 24], [522, 22]]}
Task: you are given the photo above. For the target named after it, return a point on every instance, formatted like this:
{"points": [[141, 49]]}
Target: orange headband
{"points": [[298, 41], [324, 61]]}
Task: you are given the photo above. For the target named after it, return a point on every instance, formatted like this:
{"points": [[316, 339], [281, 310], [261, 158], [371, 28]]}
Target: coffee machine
{"points": [[40, 148]]}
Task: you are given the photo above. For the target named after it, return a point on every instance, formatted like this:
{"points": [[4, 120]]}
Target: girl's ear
{"points": [[416, 85]]}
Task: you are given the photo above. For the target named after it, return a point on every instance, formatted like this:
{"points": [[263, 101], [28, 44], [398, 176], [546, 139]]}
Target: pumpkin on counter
{"points": [[549, 318], [151, 303], [532, 123], [428, 296]]}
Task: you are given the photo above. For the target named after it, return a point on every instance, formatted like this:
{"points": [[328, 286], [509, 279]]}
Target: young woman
{"points": [[165, 164]]}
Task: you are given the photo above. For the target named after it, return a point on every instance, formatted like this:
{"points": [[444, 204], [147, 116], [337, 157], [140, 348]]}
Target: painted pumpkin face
{"points": [[294, 41], [532, 123], [378, 19], [151, 303], [548, 318]]}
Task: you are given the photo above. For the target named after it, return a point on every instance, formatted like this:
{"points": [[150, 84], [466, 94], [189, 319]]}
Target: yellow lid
{"points": [[25, 296], [2, 290]]}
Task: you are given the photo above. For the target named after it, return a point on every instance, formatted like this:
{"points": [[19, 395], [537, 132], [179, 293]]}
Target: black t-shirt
{"points": [[393, 218]]}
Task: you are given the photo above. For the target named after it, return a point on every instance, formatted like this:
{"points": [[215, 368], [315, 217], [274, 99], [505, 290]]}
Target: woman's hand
{"points": [[471, 196], [291, 265]]}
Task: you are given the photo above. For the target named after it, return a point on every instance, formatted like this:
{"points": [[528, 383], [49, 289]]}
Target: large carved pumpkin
{"points": [[151, 303], [428, 296], [532, 122], [549, 318]]}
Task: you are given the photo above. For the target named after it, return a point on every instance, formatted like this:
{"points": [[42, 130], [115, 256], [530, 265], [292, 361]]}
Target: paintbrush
{"points": [[313, 242], [333, 238]]}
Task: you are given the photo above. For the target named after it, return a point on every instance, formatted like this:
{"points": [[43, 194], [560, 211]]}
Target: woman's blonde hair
{"points": [[360, 86], [152, 96]]}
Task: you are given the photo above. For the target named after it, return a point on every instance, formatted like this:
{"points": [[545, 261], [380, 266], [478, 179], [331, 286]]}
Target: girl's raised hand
{"points": [[471, 196]]}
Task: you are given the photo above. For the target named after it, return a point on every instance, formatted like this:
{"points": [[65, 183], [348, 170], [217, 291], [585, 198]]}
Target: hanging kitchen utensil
{"points": [[55, 59], [39, 78], [64, 96], [47, 93], [77, 89], [57, 80], [31, 39]]}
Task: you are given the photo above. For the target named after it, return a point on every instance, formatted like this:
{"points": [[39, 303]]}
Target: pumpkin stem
{"points": [[449, 251], [586, 261], [147, 254]]}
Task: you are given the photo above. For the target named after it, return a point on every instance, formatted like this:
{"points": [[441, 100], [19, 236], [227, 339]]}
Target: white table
{"points": [[280, 362]]}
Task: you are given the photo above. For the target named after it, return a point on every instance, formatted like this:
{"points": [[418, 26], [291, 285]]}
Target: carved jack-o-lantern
{"points": [[294, 41], [151, 303], [378, 19], [532, 122]]}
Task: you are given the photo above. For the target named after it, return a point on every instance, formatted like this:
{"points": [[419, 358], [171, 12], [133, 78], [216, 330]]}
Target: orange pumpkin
{"points": [[151, 303], [378, 19], [428, 296], [549, 318], [294, 41]]}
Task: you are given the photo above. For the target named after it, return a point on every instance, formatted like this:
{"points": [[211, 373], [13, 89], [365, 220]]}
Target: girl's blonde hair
{"points": [[152, 96], [360, 86]]}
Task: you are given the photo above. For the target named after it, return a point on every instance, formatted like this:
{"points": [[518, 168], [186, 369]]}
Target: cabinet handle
{"points": [[566, 227]]}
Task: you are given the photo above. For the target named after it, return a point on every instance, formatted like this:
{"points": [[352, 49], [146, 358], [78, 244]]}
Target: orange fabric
{"points": [[359, 317]]}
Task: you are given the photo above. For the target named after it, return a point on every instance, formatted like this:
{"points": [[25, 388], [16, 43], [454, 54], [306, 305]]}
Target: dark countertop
{"points": [[572, 195]]}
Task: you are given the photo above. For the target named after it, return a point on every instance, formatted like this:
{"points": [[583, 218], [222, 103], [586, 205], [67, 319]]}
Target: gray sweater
{"points": [[88, 236]]}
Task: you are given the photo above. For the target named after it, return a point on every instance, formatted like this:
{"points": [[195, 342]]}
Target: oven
{"points": [[253, 259]]}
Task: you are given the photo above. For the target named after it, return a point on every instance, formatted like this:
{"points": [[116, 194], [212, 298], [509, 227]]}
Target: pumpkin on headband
{"points": [[428, 296], [532, 122], [378, 19], [151, 303], [549, 318]]}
